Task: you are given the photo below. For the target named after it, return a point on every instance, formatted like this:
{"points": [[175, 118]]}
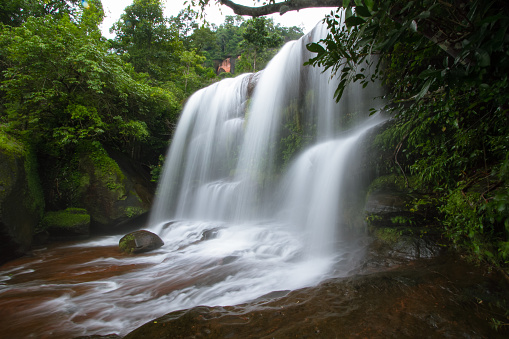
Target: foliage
{"points": [[69, 218], [157, 170], [148, 40], [16, 12], [61, 85], [260, 34]]}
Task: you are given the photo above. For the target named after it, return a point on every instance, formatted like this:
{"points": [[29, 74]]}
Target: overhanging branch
{"points": [[279, 7]]}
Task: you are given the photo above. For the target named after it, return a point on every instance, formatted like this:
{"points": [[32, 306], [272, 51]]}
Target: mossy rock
{"points": [[110, 194], [21, 198], [139, 242], [71, 222]]}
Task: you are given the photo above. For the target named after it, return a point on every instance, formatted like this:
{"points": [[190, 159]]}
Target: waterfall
{"points": [[224, 163], [259, 181]]}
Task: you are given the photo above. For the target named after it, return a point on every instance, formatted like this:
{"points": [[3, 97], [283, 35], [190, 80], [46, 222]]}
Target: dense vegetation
{"points": [[65, 88]]}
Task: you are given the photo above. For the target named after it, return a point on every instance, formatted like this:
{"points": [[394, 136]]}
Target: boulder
{"points": [[69, 223], [110, 186], [109, 195], [21, 198], [139, 242]]}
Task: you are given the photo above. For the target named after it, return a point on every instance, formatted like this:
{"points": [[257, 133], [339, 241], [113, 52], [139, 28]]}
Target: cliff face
{"points": [[225, 66], [21, 200]]}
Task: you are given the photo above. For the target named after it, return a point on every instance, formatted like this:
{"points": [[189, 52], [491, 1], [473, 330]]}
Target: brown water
{"points": [[426, 298], [89, 287], [66, 290]]}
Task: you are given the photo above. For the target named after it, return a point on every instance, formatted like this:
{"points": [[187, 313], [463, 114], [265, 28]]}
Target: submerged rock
{"points": [[139, 242]]}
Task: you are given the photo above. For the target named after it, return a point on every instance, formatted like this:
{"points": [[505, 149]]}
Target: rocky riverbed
{"points": [[390, 295]]}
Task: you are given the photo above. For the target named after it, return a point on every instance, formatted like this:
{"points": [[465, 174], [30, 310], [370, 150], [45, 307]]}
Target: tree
{"points": [[259, 35], [186, 24], [190, 62], [228, 38], [272, 6], [148, 40], [62, 86], [16, 12]]}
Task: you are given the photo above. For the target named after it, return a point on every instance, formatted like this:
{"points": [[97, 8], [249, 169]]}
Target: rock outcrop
{"points": [[69, 223], [110, 186], [21, 198]]}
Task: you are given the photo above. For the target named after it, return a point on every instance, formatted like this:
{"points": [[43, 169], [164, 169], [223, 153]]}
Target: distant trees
{"points": [[148, 40]]}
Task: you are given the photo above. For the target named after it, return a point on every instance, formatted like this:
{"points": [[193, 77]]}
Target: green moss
{"points": [[15, 151], [102, 168], [132, 211], [9, 145], [66, 219], [388, 235], [127, 244], [106, 168]]}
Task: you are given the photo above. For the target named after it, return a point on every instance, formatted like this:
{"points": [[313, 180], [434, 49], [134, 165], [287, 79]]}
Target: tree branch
{"points": [[427, 29], [279, 7]]}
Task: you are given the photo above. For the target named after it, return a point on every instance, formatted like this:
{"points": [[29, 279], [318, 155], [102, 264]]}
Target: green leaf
{"points": [[424, 89], [346, 3], [483, 58], [362, 11], [348, 13], [424, 15], [354, 21], [315, 48], [429, 73], [369, 4]]}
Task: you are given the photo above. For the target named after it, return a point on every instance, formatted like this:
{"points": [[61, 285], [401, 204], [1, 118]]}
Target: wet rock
{"points": [[139, 242], [387, 201], [69, 223], [229, 259], [424, 299], [169, 224], [401, 224], [386, 252], [112, 192], [210, 234], [107, 336], [111, 187], [21, 199]]}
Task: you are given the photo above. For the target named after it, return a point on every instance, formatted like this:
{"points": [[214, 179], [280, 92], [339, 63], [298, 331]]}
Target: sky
{"points": [[306, 19]]}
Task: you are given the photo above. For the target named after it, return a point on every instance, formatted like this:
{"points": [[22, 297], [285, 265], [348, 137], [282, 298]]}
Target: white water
{"points": [[284, 226], [235, 224]]}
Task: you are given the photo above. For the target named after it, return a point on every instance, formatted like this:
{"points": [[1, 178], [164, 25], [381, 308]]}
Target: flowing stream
{"points": [[238, 221]]}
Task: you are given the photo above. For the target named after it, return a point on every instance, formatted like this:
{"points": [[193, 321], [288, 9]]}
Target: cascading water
{"points": [[224, 163], [239, 218]]}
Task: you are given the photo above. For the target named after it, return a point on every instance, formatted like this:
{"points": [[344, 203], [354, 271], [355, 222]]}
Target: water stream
{"points": [[237, 222]]}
